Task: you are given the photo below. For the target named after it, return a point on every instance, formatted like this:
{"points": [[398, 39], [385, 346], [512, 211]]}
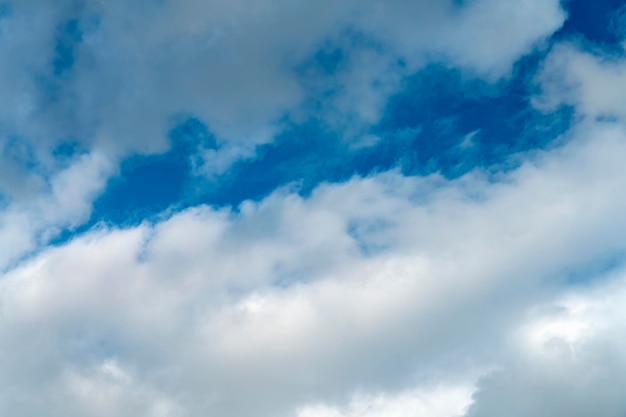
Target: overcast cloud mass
{"points": [[272, 208]]}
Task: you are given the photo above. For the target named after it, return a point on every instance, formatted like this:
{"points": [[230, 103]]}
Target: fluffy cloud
{"points": [[568, 359], [118, 71], [385, 295], [591, 81], [110, 78], [291, 302], [567, 356], [113, 77], [39, 205], [442, 402]]}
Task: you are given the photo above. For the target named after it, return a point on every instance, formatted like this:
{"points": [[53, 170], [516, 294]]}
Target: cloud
{"points": [[589, 80], [276, 307], [442, 402], [113, 78], [38, 207], [123, 70], [385, 295], [471, 34], [569, 359]]}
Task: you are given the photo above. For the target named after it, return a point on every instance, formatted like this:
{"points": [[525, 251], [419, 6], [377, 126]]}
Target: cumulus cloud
{"points": [[589, 80], [386, 295], [111, 78], [277, 307], [568, 359], [118, 71], [41, 204]]}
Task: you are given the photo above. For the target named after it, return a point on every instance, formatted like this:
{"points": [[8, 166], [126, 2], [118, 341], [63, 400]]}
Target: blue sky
{"points": [[326, 209], [422, 127]]}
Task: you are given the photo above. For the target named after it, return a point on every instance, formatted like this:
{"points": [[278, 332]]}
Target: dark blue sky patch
{"points": [[190, 133], [306, 154], [67, 149], [65, 152], [68, 38], [70, 35], [594, 20], [327, 61], [148, 185], [441, 121], [465, 124]]}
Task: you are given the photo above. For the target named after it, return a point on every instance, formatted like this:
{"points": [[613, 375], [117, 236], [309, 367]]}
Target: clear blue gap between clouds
{"points": [[148, 185], [595, 22], [423, 131]]}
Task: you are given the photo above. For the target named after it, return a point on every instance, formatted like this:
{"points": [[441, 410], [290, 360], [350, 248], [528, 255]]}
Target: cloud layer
{"points": [[375, 283], [498, 292]]}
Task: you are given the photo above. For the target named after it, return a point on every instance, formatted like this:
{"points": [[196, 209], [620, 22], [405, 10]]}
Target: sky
{"points": [[272, 208]]}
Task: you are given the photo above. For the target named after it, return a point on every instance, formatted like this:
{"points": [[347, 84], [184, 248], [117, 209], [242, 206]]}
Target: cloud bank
{"points": [[496, 292]]}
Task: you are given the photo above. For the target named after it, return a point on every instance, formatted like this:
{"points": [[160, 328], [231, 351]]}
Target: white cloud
{"points": [[591, 81], [139, 65], [442, 402], [39, 207], [276, 308], [567, 360], [109, 390], [471, 36], [232, 64], [370, 298]]}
